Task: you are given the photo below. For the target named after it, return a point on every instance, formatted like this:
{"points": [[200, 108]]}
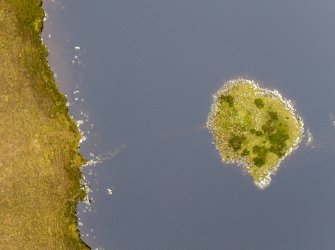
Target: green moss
{"points": [[255, 128]]}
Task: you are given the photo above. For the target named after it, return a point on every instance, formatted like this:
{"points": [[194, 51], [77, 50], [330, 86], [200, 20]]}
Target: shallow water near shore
{"points": [[140, 75]]}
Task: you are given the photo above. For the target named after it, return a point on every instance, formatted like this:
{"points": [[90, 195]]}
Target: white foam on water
{"points": [[109, 191]]}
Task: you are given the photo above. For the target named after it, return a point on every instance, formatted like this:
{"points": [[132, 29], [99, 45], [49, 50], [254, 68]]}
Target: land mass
{"points": [[254, 127], [39, 160]]}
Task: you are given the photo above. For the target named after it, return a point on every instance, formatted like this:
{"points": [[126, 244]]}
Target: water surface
{"points": [[146, 72]]}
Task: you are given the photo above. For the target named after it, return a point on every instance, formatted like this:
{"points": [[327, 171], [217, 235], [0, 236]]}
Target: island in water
{"points": [[254, 127], [40, 164]]}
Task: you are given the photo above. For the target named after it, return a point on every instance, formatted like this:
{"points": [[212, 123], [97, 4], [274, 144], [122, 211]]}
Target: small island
{"points": [[254, 127]]}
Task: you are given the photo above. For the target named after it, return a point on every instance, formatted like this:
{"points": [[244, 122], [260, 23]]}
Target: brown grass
{"points": [[39, 163]]}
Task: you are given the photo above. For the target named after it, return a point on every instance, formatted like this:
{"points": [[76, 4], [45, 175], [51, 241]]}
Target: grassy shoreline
{"points": [[40, 163], [254, 127]]}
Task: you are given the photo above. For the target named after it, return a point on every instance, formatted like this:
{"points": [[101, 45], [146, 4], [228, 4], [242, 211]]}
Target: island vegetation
{"points": [[40, 164], [254, 127]]}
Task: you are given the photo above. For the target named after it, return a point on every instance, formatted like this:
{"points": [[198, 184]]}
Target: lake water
{"points": [[146, 71]]}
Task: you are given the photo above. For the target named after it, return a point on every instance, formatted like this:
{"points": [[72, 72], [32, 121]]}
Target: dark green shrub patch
{"points": [[258, 161], [245, 152], [228, 99], [236, 141], [259, 103]]}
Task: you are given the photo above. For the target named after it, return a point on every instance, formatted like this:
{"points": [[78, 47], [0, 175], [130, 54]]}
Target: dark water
{"points": [[146, 71]]}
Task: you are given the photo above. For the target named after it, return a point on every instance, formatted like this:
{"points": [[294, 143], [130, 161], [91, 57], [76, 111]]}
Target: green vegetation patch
{"points": [[253, 127], [259, 103]]}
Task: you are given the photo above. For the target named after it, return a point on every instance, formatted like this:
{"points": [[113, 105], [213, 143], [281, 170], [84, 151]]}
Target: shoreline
{"points": [[42, 165], [81, 134]]}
